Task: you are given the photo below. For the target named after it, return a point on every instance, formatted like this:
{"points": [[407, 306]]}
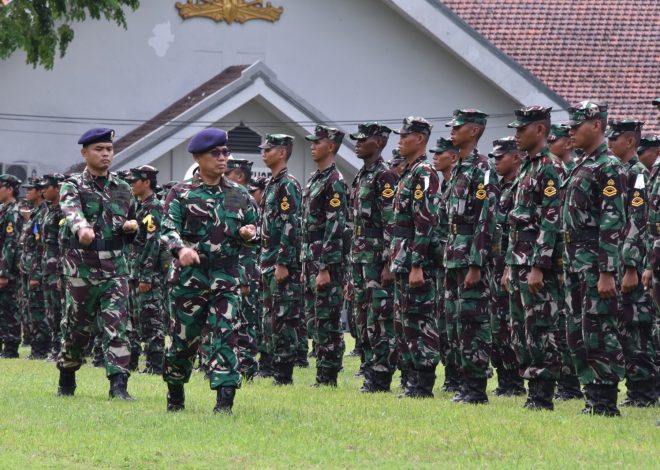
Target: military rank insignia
{"points": [[335, 202], [418, 194], [481, 192], [10, 228], [609, 190], [550, 189], [62, 222], [284, 205], [149, 221], [637, 200], [388, 192]]}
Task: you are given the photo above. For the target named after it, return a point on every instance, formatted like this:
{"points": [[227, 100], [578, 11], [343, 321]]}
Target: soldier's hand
{"points": [[630, 280], [144, 287], [535, 280], [386, 276], [34, 284], [606, 286], [647, 278], [506, 280], [245, 290], [247, 232], [188, 256], [3, 282], [322, 279], [281, 273], [472, 278], [86, 236], [130, 226], [416, 277]]}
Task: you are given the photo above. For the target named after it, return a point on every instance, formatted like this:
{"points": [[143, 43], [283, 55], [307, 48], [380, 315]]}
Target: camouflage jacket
{"points": [[593, 213], [281, 208], [324, 217], [248, 257], [11, 224], [145, 250], [441, 229], [371, 210], [636, 204], [472, 200], [534, 219], [102, 204], [207, 219], [501, 235], [653, 232], [33, 252], [51, 265], [415, 216]]}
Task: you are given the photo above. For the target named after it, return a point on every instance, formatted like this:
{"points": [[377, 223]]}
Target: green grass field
{"points": [[298, 426]]}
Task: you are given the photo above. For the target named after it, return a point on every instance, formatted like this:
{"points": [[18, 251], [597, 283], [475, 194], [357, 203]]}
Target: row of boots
{"points": [[176, 399], [118, 385]]}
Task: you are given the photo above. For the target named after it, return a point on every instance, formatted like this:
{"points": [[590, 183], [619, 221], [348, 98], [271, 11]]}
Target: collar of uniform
{"points": [[280, 175], [633, 160], [110, 178], [326, 171], [374, 164], [149, 198], [412, 164], [544, 152], [601, 149], [197, 181]]}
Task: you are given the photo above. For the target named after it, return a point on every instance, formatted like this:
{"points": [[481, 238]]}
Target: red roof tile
{"points": [[581, 49]]}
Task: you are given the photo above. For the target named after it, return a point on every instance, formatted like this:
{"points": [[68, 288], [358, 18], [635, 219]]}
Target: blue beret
{"points": [[96, 135], [207, 139]]}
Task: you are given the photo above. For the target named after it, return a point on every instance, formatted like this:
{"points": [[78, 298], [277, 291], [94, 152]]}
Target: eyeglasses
{"points": [[216, 153]]}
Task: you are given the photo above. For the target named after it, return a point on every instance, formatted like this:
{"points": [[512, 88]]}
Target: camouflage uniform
{"points": [[11, 224], [280, 245], [534, 226], [471, 205], [593, 218], [33, 254], [415, 216], [96, 276], [653, 256], [371, 197], [324, 219]]}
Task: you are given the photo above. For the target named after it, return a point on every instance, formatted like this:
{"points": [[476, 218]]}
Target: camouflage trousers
{"points": [[133, 328], [656, 320], [282, 307], [325, 312], [416, 309], [248, 316], [195, 310], [503, 355], [10, 326], [374, 312], [24, 308], [89, 301], [636, 334], [470, 309], [539, 345], [54, 302], [567, 366], [149, 320], [592, 331], [447, 356], [309, 297], [38, 325]]}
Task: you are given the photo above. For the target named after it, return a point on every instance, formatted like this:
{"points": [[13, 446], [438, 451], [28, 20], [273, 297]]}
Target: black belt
{"points": [[97, 245], [404, 232], [368, 232], [577, 236], [522, 236], [314, 236], [461, 229], [654, 229], [225, 262]]}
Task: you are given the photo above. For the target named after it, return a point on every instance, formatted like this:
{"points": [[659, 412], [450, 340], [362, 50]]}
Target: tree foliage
{"points": [[43, 27]]}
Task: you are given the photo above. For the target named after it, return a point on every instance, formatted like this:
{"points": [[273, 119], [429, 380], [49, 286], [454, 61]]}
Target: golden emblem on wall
{"points": [[230, 11]]}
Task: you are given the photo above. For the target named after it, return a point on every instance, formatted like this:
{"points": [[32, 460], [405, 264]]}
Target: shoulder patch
{"points": [[335, 202], [481, 194], [388, 192], [637, 201], [418, 194], [284, 205], [610, 190], [10, 228], [550, 189]]}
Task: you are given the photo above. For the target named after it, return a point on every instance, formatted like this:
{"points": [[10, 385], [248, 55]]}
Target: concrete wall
{"points": [[352, 60]]}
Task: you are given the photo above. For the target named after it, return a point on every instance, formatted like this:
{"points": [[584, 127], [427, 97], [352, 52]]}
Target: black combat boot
{"points": [[265, 366], [544, 390], [380, 382], [10, 351], [225, 400], [425, 383], [176, 397], [503, 383], [463, 391], [452, 380], [154, 363], [134, 360], [67, 384], [301, 360], [607, 396], [476, 387], [283, 373], [532, 386], [412, 382], [590, 398], [516, 383], [118, 387], [326, 376], [568, 388], [368, 380], [403, 385]]}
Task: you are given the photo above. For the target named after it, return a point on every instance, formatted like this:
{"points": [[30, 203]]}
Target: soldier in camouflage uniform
{"points": [[471, 204], [146, 268], [323, 223], [11, 224], [208, 219], [415, 216], [51, 267], [636, 318], [561, 146], [507, 159], [240, 172], [281, 208], [445, 157], [593, 219], [99, 221], [534, 227], [370, 201], [30, 266]]}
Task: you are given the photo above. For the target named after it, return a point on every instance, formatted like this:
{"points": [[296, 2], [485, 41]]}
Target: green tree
{"points": [[42, 27]]}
